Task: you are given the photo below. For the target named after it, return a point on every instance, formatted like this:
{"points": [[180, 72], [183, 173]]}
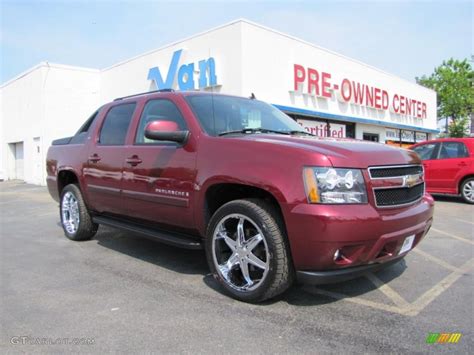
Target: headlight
{"points": [[334, 185]]}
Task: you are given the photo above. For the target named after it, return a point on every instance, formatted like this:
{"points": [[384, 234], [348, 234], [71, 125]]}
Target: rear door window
{"points": [[450, 150], [116, 123], [81, 135]]}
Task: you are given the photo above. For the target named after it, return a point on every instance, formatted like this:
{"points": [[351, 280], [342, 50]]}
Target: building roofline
{"points": [[233, 22], [269, 29], [50, 65]]}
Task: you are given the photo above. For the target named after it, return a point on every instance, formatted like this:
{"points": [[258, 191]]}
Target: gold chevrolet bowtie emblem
{"points": [[410, 180]]}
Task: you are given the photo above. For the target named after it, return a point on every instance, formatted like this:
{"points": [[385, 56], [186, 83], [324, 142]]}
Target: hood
{"points": [[349, 153]]}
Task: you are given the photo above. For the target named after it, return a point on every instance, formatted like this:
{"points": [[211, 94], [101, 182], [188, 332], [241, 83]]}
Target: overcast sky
{"points": [[405, 38]]}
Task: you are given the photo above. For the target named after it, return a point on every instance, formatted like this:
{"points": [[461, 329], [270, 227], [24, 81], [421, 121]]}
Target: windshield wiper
{"points": [[254, 130], [301, 132]]}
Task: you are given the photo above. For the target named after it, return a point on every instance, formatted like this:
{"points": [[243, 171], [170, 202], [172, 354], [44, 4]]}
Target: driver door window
{"points": [[158, 110]]}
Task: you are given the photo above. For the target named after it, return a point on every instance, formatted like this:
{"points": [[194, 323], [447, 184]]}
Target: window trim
{"points": [[135, 103], [158, 143]]}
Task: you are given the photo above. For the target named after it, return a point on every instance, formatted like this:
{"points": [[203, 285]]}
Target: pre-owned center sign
{"points": [[319, 83]]}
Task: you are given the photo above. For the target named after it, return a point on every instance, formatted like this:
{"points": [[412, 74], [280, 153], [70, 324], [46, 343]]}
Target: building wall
{"points": [[268, 71], [22, 114], [224, 45], [49, 102]]}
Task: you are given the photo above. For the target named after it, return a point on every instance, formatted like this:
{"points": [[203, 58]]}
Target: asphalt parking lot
{"points": [[119, 292]]}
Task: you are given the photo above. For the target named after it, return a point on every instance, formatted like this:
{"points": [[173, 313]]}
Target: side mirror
{"points": [[165, 131]]}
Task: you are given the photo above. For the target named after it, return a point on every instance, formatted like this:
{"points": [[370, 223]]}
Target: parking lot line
{"points": [[430, 295], [436, 260], [402, 306], [465, 221], [361, 301], [388, 291], [453, 236]]}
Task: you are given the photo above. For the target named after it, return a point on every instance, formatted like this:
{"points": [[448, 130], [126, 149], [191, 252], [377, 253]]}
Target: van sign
{"points": [[185, 74]]}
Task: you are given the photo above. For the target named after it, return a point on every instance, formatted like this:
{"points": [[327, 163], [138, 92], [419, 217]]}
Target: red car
{"points": [[268, 201], [449, 166]]}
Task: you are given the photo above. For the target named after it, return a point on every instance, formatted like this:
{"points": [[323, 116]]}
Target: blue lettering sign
{"points": [[207, 69], [185, 74], [185, 77], [155, 75]]}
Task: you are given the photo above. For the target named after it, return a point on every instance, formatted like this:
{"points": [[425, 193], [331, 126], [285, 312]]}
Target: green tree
{"points": [[453, 82], [459, 127]]}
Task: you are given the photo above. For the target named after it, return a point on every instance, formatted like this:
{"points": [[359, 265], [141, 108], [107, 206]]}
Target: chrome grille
{"points": [[395, 186], [399, 196], [396, 171]]}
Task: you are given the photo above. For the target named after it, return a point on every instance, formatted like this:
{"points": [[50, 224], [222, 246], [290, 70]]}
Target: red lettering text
{"points": [[299, 75], [326, 84], [313, 81]]}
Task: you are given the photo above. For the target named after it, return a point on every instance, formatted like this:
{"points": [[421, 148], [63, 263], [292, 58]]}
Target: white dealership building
{"points": [[328, 93]]}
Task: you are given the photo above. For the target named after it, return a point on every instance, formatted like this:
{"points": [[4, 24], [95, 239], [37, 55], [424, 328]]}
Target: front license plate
{"points": [[407, 244]]}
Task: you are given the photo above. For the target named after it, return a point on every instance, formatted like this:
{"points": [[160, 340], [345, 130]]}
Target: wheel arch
{"points": [[66, 177], [218, 194]]}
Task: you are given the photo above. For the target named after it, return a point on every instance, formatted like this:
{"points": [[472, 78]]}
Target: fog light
{"points": [[341, 259]]}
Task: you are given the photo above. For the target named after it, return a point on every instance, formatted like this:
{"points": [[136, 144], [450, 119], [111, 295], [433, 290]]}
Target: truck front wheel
{"points": [[247, 250], [75, 218]]}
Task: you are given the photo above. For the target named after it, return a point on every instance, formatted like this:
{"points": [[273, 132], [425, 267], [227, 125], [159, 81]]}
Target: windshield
{"points": [[219, 114]]}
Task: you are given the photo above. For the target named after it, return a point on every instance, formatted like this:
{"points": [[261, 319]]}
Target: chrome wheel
{"points": [[468, 191], [70, 213], [240, 252]]}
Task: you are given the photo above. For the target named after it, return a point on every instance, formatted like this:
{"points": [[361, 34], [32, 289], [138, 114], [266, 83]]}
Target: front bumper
{"points": [[364, 234], [333, 276]]}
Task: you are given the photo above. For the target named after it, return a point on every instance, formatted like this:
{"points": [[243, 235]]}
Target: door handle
{"points": [[463, 163], [94, 158], [133, 160]]}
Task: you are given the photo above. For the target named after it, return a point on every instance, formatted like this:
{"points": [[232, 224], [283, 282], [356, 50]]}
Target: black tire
{"points": [[467, 190], [279, 267], [85, 229]]}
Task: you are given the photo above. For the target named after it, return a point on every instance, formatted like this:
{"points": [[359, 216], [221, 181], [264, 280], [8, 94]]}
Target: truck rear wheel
{"points": [[75, 218], [247, 251]]}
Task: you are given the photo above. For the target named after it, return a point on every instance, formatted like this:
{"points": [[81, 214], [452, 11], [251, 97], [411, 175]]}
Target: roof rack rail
{"points": [[143, 93]]}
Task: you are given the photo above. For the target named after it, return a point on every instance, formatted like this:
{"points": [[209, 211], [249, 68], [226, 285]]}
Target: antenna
{"points": [[212, 101]]}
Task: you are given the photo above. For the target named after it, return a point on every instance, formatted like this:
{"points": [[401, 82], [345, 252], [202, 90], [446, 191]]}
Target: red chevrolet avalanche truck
{"points": [[269, 202]]}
